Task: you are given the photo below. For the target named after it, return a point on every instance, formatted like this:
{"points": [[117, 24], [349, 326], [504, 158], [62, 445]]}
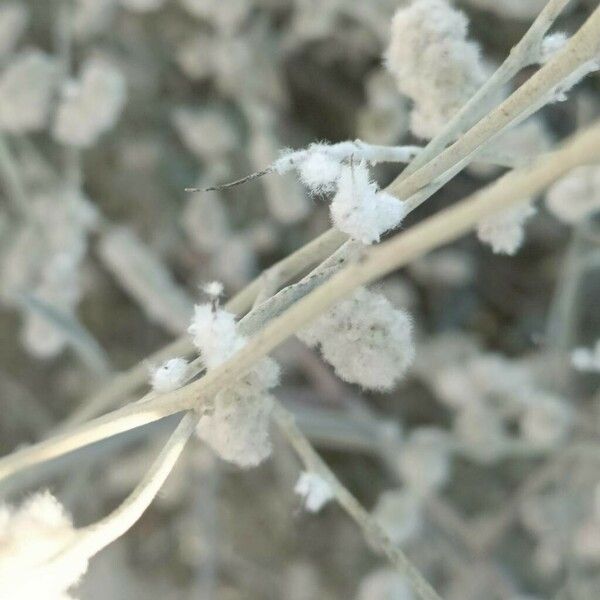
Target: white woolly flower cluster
{"points": [[575, 196], [315, 491], [587, 359], [91, 105], [237, 428], [433, 62], [424, 461], [31, 537], [400, 514], [505, 230], [358, 207], [544, 420], [169, 376], [384, 584], [27, 86], [365, 339]]}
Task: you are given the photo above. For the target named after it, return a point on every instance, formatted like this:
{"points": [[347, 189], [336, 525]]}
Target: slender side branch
{"points": [[373, 532], [93, 538]]}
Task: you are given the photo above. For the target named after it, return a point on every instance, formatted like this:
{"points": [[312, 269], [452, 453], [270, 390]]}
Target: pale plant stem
{"points": [[519, 57], [93, 538], [376, 262], [374, 534], [581, 48]]}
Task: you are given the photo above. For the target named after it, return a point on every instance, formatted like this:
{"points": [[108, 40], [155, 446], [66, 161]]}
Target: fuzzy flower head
{"points": [[169, 376], [27, 86], [504, 231], [314, 490], [546, 420], [433, 62], [576, 196], [214, 289], [360, 209], [91, 105], [424, 461], [238, 427], [319, 171], [31, 538], [214, 333], [365, 339], [586, 359]]}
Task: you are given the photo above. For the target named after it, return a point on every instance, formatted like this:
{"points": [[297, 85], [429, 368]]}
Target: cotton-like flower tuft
{"points": [[214, 334], [169, 376], [365, 339], [314, 490], [213, 289], [238, 428], [504, 231], [27, 86], [319, 171], [480, 429], [31, 539], [433, 62], [546, 420], [576, 195], [360, 209], [424, 460], [91, 105], [586, 359]]}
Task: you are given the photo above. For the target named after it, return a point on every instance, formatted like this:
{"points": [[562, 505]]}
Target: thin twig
{"points": [[371, 529], [91, 539], [230, 184]]}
